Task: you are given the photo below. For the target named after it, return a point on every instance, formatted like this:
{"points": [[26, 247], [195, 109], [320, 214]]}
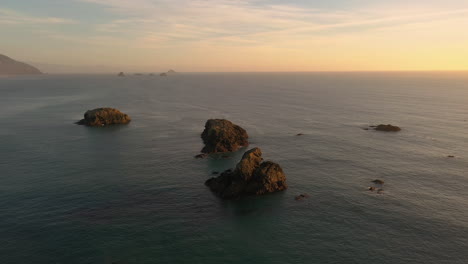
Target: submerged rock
{"points": [[201, 156], [378, 182], [104, 117], [221, 135], [250, 177], [387, 128], [301, 197]]}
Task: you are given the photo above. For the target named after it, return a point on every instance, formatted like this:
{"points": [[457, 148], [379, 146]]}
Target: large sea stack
{"points": [[9, 66], [252, 176], [221, 135], [104, 117]]}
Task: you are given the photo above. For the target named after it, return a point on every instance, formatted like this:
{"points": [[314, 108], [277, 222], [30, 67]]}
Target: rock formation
{"points": [[8, 66], [121, 74], [163, 74], [171, 71], [250, 177], [221, 135], [104, 117], [387, 128]]}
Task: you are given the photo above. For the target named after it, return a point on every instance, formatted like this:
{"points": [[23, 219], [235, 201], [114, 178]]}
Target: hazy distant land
{"points": [[9, 66]]}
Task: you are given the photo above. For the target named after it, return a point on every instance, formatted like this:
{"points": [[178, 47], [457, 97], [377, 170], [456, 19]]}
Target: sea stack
{"points": [[163, 74], [387, 128], [104, 117], [121, 74], [251, 176], [221, 135]]}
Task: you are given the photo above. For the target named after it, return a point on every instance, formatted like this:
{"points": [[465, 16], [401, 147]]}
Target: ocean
{"points": [[135, 194]]}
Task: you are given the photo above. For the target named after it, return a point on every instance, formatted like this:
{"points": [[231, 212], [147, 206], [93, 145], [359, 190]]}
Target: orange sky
{"points": [[238, 35]]}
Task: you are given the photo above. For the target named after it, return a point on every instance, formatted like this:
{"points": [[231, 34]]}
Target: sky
{"points": [[97, 36]]}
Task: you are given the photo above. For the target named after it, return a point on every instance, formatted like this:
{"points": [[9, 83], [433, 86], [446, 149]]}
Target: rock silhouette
{"points": [[387, 128]]}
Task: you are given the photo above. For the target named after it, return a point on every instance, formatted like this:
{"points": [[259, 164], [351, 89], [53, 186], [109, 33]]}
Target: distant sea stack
{"points": [[221, 135], [171, 71], [9, 66], [104, 117], [251, 177], [121, 74], [163, 74], [387, 128]]}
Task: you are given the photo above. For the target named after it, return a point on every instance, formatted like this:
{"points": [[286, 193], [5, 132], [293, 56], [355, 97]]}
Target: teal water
{"points": [[135, 194]]}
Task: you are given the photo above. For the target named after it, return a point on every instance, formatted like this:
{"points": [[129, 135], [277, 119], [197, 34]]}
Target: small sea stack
{"points": [[251, 176], [163, 74], [386, 128], [221, 135], [121, 74], [171, 71], [104, 117]]}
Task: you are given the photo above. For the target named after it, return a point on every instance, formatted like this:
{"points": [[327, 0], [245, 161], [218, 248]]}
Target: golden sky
{"points": [[236, 35]]}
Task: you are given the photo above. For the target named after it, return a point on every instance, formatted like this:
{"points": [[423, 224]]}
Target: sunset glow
{"points": [[236, 35]]}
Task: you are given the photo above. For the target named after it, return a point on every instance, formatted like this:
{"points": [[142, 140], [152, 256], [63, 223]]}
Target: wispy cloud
{"points": [[11, 17], [248, 22]]}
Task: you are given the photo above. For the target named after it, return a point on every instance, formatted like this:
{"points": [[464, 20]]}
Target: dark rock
{"points": [[450, 156], [371, 189], [221, 135], [378, 182], [215, 173], [163, 74], [301, 197], [104, 117], [201, 156], [387, 128], [300, 134], [251, 177], [121, 74]]}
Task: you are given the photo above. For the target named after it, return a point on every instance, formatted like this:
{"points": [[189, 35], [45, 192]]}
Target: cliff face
{"points": [[8, 66]]}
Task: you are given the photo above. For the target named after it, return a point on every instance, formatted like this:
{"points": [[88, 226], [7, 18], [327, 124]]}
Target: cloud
{"points": [[250, 22], [10, 17]]}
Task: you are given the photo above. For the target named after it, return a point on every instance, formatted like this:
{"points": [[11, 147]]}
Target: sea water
{"points": [[135, 194]]}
